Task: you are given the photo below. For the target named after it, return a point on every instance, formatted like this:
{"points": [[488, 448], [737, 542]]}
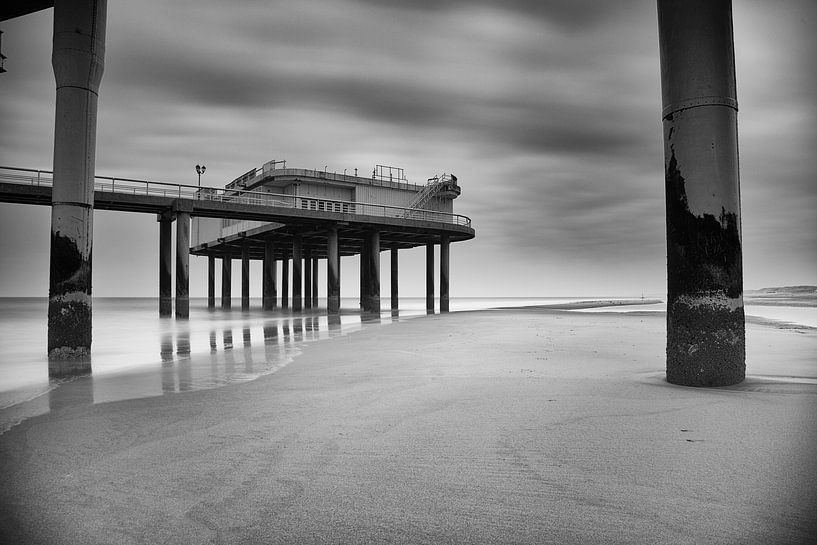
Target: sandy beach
{"points": [[511, 426]]}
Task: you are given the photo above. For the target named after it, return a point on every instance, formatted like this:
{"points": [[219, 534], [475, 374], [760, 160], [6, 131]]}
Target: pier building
{"points": [[329, 215]]}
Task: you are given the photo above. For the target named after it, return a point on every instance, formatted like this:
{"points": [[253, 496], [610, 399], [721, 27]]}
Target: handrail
{"points": [[259, 198]]}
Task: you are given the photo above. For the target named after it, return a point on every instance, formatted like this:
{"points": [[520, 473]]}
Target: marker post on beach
{"points": [[705, 319]]}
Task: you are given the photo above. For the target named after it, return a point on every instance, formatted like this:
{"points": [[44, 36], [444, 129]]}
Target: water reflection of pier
{"points": [[192, 356]]}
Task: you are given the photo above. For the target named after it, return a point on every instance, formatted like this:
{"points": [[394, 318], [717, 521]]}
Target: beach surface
{"points": [[505, 426]]}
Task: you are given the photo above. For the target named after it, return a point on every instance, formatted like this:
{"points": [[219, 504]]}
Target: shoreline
{"points": [[489, 426]]}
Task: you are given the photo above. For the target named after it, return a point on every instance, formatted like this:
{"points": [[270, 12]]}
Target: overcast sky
{"points": [[549, 113]]}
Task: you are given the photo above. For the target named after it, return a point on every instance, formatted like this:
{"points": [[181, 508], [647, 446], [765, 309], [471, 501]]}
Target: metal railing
{"points": [[26, 176]]}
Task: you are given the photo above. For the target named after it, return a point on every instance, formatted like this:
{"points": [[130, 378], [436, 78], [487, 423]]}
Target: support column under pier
{"points": [[307, 278], [211, 281], [165, 265], [333, 272], [372, 278], [430, 278], [245, 277], [297, 270], [183, 265], [315, 282], [269, 289], [78, 62], [395, 295], [705, 318], [226, 281], [285, 283], [445, 246]]}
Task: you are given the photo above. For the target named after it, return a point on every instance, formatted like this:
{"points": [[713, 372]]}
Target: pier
{"points": [[251, 222]]}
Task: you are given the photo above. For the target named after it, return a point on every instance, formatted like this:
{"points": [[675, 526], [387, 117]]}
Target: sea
{"points": [[137, 354]]}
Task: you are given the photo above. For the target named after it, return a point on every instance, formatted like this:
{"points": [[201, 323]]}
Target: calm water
{"points": [[137, 354]]}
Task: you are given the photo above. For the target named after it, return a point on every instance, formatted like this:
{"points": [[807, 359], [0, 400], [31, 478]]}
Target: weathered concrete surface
{"points": [[78, 62], [705, 319]]}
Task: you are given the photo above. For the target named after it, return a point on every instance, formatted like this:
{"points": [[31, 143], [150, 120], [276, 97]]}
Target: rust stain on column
{"points": [[78, 62], [705, 318]]}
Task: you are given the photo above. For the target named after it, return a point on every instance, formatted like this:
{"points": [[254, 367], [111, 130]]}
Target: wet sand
{"points": [[512, 426]]}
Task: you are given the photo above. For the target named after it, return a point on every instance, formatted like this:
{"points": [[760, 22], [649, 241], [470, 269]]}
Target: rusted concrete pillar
{"points": [[705, 319], [333, 272], [372, 278], [245, 276], [211, 281], [430, 278], [297, 273], [315, 282], [395, 295], [307, 277], [165, 265], [78, 62], [182, 265], [285, 282], [445, 244], [226, 281], [269, 289]]}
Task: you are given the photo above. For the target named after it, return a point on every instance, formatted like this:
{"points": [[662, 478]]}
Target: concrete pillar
{"points": [[372, 266], [307, 277], [211, 281], [245, 276], [285, 282], [333, 272], [269, 288], [315, 282], [705, 319], [165, 265], [226, 281], [430, 278], [395, 295], [78, 61], [182, 264], [364, 275], [445, 244], [297, 270]]}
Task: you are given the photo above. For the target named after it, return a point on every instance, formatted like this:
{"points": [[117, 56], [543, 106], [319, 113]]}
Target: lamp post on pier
{"points": [[200, 170]]}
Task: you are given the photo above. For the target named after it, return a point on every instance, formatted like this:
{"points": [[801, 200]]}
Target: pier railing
{"points": [[32, 177]]}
